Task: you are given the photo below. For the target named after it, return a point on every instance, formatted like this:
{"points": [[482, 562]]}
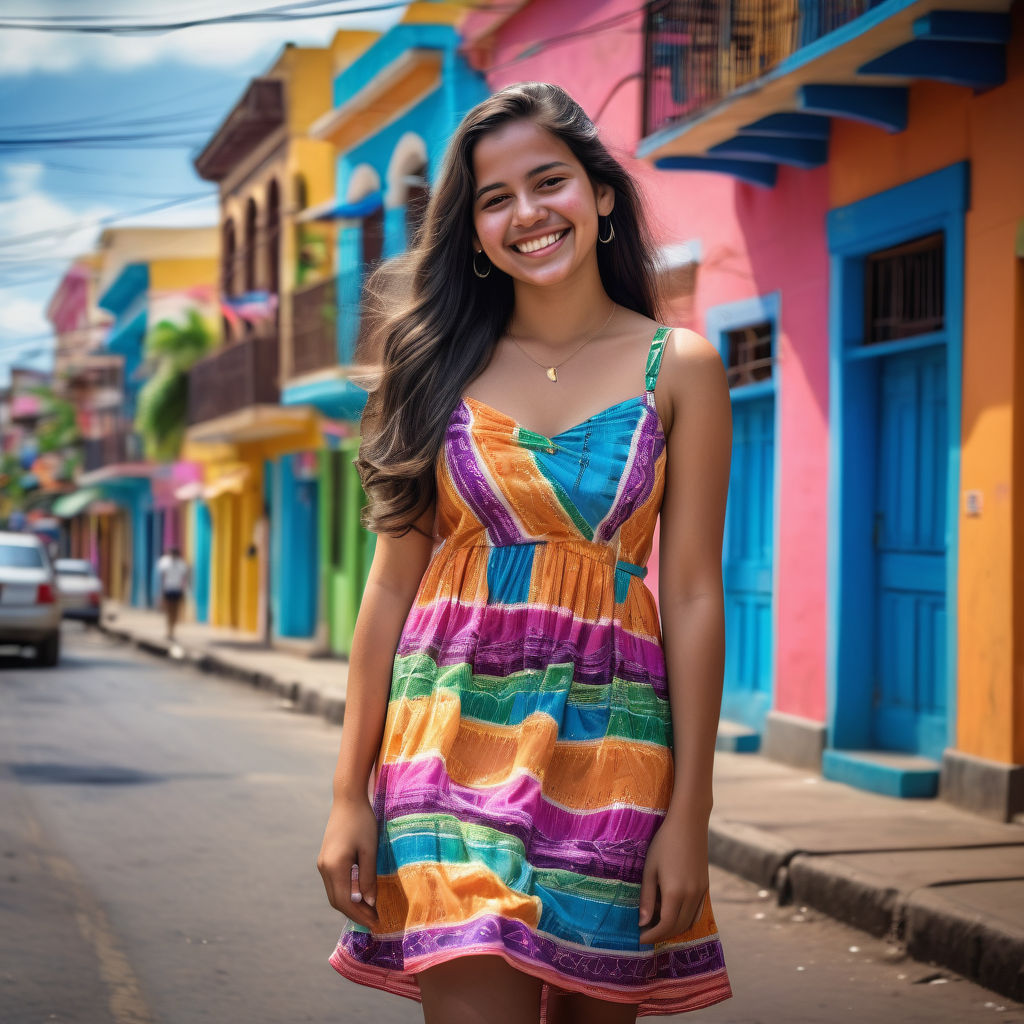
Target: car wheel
{"points": [[48, 652]]}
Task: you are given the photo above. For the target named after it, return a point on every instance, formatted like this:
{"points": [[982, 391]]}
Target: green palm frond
{"points": [[161, 413], [181, 343], [163, 401]]}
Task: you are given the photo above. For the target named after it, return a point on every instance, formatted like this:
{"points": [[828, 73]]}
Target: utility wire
{"points": [[102, 221]]}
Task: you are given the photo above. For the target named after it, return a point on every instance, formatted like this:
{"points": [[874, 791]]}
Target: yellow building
{"points": [[268, 169]]}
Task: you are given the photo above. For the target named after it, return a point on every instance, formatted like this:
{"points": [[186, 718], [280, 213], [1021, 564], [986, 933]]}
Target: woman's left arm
{"points": [[699, 452]]}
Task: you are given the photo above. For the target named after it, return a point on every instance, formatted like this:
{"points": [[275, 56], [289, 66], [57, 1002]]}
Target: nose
{"points": [[527, 211]]}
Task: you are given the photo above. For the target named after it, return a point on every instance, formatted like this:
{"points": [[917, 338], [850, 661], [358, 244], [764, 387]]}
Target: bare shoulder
{"points": [[692, 378]]}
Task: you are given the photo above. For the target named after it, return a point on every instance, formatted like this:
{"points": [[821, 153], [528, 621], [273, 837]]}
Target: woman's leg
{"points": [[479, 990], [572, 1008]]}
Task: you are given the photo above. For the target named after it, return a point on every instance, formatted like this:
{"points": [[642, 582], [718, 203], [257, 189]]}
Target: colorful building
{"points": [[846, 179], [268, 169], [397, 99], [147, 275]]}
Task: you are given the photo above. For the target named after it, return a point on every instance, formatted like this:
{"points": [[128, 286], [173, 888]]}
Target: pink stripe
{"points": [[607, 843], [501, 639]]}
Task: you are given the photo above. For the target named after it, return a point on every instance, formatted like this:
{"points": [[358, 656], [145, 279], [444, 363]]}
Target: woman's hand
{"points": [[350, 842], [675, 880]]}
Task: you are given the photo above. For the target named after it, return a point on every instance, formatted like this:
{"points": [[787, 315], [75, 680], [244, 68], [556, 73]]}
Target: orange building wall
{"points": [[948, 124]]}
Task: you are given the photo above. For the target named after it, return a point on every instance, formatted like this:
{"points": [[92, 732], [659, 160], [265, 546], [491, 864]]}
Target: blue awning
{"points": [[345, 211]]}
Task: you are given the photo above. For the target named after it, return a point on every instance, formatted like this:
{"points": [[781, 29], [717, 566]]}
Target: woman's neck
{"points": [[560, 314]]}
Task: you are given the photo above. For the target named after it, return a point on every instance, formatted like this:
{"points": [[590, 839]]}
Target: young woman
{"points": [[537, 835]]}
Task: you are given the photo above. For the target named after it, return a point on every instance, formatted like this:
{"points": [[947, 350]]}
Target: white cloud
{"points": [[32, 212], [23, 52], [20, 316]]}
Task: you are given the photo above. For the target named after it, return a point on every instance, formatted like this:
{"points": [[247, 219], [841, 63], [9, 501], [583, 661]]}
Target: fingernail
{"points": [[357, 897], [371, 900]]}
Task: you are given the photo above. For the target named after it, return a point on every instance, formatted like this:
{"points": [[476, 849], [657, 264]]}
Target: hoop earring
{"points": [[489, 265], [611, 232]]}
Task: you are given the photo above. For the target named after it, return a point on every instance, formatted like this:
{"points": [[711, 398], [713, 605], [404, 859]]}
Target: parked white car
{"points": [[29, 603], [81, 590]]}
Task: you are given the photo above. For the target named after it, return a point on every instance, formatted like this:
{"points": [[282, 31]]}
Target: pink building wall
{"points": [[754, 242]]}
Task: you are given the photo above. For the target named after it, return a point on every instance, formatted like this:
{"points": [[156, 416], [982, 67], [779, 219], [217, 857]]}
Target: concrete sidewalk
{"points": [[947, 884]]}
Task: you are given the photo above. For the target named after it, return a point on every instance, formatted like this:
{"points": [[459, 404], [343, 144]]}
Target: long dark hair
{"points": [[430, 323]]}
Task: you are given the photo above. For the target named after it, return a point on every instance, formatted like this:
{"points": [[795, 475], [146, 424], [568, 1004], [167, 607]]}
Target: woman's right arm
{"points": [[351, 834]]}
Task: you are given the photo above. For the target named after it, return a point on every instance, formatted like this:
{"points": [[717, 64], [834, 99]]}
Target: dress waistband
{"points": [[589, 549]]}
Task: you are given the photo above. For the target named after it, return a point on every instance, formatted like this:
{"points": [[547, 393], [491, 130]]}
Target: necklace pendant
{"points": [[552, 373]]}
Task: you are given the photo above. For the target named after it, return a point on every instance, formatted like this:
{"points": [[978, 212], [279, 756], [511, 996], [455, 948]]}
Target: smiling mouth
{"points": [[536, 244]]}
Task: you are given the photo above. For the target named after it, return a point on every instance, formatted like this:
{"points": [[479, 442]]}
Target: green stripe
{"points": [[654, 357], [460, 843], [618, 710], [566, 502]]}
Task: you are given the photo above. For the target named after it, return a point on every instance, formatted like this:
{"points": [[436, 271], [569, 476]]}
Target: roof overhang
{"points": [[252, 424], [256, 115], [861, 71], [394, 89], [119, 473], [330, 391], [123, 290]]}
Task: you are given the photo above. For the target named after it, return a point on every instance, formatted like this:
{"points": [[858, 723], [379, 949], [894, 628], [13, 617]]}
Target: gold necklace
{"points": [[552, 371]]}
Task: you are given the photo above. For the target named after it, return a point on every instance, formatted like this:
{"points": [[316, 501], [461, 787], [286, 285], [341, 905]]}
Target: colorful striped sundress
{"points": [[526, 760]]}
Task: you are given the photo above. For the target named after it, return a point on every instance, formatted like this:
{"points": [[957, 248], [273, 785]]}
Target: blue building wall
{"points": [[432, 120], [201, 541]]}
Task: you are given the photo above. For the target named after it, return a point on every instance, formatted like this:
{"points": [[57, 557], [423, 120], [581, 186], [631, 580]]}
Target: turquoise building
{"points": [[397, 99]]}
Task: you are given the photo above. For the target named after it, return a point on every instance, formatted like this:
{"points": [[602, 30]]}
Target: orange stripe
{"points": [[433, 895], [525, 489], [582, 776]]}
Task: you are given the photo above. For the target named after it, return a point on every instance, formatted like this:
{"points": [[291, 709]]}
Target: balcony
{"points": [[112, 449], [742, 87], [315, 327], [236, 377]]}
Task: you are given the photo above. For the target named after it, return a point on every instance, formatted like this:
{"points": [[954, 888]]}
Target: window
{"points": [[750, 354], [905, 290], [250, 245], [21, 556], [273, 237]]}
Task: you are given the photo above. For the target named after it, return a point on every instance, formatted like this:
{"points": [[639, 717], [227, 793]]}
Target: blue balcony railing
{"points": [[699, 51]]}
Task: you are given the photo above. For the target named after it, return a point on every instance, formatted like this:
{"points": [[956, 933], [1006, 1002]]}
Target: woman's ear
{"points": [[605, 199]]}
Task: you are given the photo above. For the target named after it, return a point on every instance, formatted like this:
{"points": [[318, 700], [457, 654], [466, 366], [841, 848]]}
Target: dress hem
{"points": [[709, 990]]}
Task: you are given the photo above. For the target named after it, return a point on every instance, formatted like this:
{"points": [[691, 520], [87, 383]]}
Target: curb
{"points": [[933, 930], [304, 699]]}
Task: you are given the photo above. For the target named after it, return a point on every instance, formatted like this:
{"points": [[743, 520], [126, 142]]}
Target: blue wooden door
{"points": [[909, 694], [747, 562]]}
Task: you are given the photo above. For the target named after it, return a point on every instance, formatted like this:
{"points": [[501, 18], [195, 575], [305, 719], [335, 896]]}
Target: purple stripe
{"points": [[471, 482], [642, 474], [608, 843], [689, 963], [647, 446], [498, 640]]}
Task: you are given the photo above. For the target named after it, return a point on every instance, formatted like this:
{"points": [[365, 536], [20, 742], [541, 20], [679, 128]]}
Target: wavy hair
{"points": [[430, 325]]}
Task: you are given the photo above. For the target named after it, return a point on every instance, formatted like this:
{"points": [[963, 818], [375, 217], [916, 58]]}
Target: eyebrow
{"points": [[530, 174]]}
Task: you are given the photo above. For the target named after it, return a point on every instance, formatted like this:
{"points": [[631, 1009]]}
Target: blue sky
{"points": [[55, 84]]}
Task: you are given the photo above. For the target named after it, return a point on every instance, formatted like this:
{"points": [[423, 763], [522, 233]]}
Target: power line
{"points": [[108, 219], [103, 25]]}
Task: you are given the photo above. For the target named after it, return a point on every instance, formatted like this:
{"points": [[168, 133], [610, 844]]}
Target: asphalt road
{"points": [[158, 834]]}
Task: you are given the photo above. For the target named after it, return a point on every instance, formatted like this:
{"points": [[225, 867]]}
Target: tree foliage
{"points": [[162, 412]]}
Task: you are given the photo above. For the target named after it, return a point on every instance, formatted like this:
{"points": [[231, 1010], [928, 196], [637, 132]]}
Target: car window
{"points": [[73, 567], [15, 556]]}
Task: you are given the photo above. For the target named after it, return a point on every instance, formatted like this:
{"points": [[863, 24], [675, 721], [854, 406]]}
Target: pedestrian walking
{"points": [[173, 573], [533, 842]]}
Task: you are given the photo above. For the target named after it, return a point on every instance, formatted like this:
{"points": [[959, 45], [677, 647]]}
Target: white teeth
{"points": [[539, 243]]}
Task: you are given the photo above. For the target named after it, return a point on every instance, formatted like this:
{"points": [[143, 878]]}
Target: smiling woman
{"points": [[536, 840]]}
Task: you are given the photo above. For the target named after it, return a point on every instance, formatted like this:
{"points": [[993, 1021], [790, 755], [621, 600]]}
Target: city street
{"points": [[158, 838]]}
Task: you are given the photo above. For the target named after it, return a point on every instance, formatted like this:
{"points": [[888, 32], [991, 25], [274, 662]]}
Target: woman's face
{"points": [[535, 211]]}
